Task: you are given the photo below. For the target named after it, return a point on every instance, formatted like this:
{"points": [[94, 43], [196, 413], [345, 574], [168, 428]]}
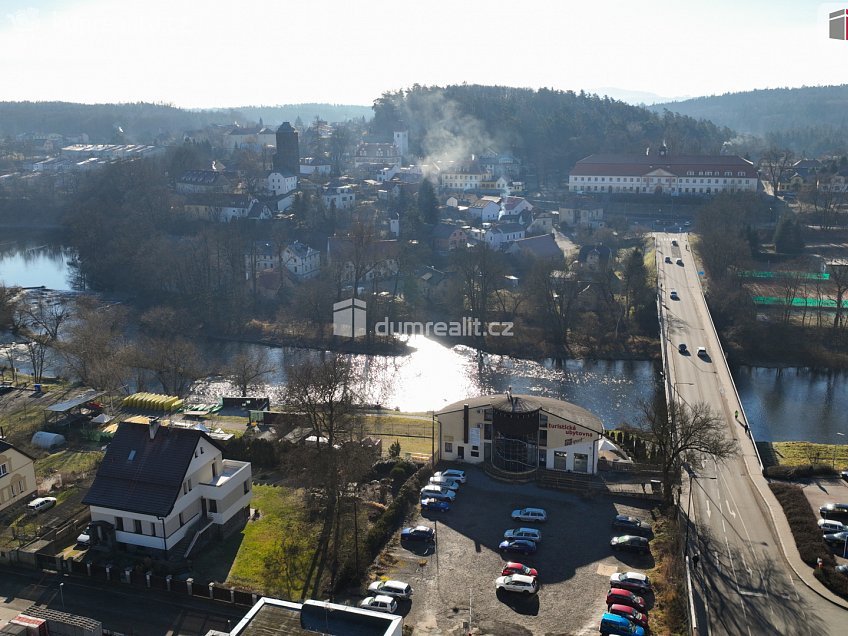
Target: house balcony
{"points": [[230, 490]]}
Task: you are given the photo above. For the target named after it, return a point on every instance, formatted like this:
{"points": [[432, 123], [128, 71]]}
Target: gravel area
{"points": [[455, 583]]}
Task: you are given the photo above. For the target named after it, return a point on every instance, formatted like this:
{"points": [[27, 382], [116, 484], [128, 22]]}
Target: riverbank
{"points": [[778, 346]]}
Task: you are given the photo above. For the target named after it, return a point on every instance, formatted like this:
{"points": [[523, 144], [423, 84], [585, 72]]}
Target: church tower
{"points": [[287, 157]]}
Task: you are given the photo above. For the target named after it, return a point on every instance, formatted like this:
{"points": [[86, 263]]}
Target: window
{"points": [[213, 505], [246, 486], [137, 526], [181, 520], [475, 453], [119, 523], [3, 470], [152, 529], [214, 470], [448, 447], [543, 437], [487, 415]]}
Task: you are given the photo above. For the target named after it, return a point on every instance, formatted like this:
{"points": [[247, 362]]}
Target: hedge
{"points": [[803, 523], [798, 472], [835, 581]]}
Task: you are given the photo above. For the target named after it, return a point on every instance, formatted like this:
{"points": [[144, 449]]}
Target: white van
{"points": [[42, 503]]}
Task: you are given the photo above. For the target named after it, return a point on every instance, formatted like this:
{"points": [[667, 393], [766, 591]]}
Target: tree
{"points": [[480, 271], [685, 433], [246, 369], [787, 235], [174, 361], [635, 288], [838, 271], [775, 164], [428, 205]]}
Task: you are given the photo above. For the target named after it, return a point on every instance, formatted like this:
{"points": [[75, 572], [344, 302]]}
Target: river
{"points": [[781, 404]]}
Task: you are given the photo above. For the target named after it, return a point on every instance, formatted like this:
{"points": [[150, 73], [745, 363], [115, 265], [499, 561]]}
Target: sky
{"points": [[217, 53]]}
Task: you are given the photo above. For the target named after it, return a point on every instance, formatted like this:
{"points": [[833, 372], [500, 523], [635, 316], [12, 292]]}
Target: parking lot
{"points": [[455, 583]]}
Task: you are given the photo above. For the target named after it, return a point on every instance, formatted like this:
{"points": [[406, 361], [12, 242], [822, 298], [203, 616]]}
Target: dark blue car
{"points": [[521, 546], [435, 505]]}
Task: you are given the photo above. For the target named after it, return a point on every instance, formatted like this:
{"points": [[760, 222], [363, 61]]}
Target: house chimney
{"points": [[153, 426]]}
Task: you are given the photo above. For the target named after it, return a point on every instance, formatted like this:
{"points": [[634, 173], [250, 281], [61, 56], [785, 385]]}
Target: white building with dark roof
{"points": [[519, 434], [301, 260], [663, 173], [162, 487], [17, 475]]}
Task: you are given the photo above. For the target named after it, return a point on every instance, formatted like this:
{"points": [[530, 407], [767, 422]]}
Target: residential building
{"points": [[501, 164], [17, 475], [315, 165], [376, 260], [339, 197], [486, 209], [448, 237], [248, 138], [583, 212], [225, 207], [494, 185], [273, 617], [301, 260], [206, 182], [596, 258], [281, 181], [162, 487], [500, 235], [520, 433], [516, 205], [543, 223], [374, 155], [663, 173], [263, 255], [543, 246], [462, 178]]}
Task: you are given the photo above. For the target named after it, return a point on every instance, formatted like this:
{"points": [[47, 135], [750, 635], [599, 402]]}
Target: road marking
{"points": [[749, 593], [709, 513], [729, 509]]}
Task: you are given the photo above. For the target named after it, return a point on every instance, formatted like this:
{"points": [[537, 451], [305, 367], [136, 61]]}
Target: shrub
{"points": [[802, 521], [833, 580], [394, 449], [797, 472]]}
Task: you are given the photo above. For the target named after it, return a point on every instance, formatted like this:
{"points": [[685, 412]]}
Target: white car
{"points": [[829, 526], [395, 589], [530, 514], [531, 534], [432, 490], [452, 473], [450, 484], [633, 581], [702, 352], [42, 503], [385, 604], [517, 583]]}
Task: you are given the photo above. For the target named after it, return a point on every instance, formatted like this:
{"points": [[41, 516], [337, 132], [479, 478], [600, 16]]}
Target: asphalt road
{"points": [[743, 584], [123, 609]]}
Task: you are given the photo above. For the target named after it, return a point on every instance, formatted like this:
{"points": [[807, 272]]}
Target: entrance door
{"points": [[560, 458], [203, 507], [487, 452], [581, 463], [460, 452]]}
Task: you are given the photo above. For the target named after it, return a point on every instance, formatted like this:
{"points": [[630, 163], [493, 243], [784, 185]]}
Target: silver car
{"points": [[531, 534]]}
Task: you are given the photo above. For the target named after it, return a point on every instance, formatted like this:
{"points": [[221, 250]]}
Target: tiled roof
{"points": [[639, 165], [144, 475], [200, 177], [4, 446], [543, 246]]}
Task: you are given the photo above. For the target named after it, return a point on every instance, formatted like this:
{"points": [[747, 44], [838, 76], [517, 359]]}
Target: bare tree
{"points": [[839, 277], [175, 362], [775, 164], [247, 369], [685, 433], [46, 316]]}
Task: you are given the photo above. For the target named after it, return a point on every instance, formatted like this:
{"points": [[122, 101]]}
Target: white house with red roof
{"points": [[663, 173]]}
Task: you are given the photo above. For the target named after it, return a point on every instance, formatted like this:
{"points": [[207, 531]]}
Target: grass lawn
{"points": [[414, 435], [251, 559], [804, 453], [68, 461]]}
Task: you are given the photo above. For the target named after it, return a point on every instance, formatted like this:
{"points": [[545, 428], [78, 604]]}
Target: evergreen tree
{"points": [[787, 235], [428, 205]]}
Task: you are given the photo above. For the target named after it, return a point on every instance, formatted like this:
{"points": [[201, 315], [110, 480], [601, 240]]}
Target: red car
{"points": [[617, 596], [635, 616], [518, 568]]}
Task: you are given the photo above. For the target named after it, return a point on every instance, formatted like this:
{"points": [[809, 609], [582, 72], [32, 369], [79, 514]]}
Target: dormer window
{"points": [[131, 456]]}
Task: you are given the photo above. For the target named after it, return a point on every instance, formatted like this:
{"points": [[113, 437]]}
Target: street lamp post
{"points": [[62, 594], [833, 464]]}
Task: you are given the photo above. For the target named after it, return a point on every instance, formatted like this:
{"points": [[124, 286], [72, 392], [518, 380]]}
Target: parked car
{"points": [[633, 615], [702, 352], [431, 490], [530, 514], [531, 534], [620, 596], [674, 242], [668, 259], [682, 348], [842, 569], [630, 543], [395, 589], [679, 261], [521, 546], [450, 484], [620, 626], [517, 583], [436, 505], [838, 541], [834, 511], [518, 568], [379, 604], [418, 533], [40, 504], [829, 526], [844, 475], [438, 496], [632, 524], [673, 295], [633, 581], [452, 473]]}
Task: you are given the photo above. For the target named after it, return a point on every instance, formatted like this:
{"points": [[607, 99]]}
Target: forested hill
{"points": [[145, 123], [549, 129], [812, 119]]}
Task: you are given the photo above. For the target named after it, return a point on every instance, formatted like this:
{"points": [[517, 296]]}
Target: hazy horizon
{"points": [[196, 55]]}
